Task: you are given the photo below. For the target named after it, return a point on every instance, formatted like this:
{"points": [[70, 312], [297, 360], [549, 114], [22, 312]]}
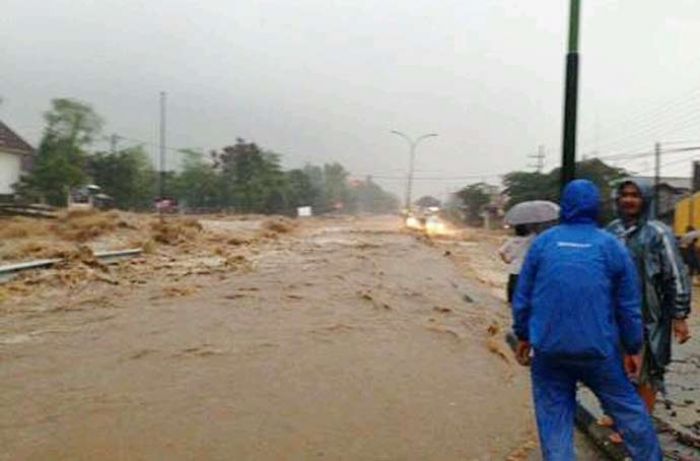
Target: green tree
{"points": [[315, 175], [126, 176], [72, 120], [60, 162], [252, 179], [523, 186], [474, 198], [336, 194], [369, 197], [198, 185], [301, 189]]}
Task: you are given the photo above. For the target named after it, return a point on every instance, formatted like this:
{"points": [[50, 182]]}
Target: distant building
{"points": [[16, 157]]}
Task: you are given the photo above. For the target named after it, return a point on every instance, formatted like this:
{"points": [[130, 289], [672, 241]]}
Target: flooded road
{"points": [[345, 340]]}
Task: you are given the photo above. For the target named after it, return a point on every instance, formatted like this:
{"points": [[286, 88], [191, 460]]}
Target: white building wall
{"points": [[10, 170]]}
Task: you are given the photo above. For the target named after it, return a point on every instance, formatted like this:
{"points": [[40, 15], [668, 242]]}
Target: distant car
{"points": [[434, 225], [413, 222], [167, 205], [88, 197], [427, 221]]}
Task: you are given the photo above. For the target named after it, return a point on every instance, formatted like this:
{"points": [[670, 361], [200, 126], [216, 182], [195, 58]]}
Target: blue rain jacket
{"points": [[666, 291], [578, 294]]}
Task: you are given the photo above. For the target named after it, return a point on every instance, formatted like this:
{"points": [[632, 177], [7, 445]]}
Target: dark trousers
{"points": [[691, 260], [512, 283], [554, 390]]}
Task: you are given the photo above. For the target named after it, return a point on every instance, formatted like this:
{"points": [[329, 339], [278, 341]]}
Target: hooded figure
{"points": [[576, 304], [665, 285]]}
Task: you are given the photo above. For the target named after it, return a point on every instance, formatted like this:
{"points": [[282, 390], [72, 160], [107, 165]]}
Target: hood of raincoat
{"points": [[580, 203], [645, 188]]}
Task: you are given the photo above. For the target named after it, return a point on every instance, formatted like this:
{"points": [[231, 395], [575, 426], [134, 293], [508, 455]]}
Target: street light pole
{"points": [[412, 143], [568, 163]]}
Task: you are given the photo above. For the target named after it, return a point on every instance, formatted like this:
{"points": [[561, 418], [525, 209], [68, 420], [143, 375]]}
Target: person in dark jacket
{"points": [[665, 285], [577, 308]]}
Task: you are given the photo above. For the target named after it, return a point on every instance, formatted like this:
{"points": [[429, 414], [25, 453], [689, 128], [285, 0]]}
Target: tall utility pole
{"points": [[161, 177], [657, 177], [568, 161], [695, 187], [413, 143], [539, 158], [113, 140]]}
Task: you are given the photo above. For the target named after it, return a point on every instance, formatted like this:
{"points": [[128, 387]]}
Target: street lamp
{"points": [[413, 143]]}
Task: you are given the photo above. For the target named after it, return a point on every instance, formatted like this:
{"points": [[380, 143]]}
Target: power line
{"points": [[622, 155], [622, 132], [640, 155], [439, 178], [673, 162], [642, 115], [627, 155], [690, 141], [660, 128], [654, 125], [652, 111]]}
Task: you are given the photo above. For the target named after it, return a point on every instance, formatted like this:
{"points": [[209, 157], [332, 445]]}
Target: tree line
{"points": [[241, 177], [521, 186]]}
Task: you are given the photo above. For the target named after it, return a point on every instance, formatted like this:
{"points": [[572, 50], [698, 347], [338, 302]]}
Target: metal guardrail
{"points": [[10, 271], [27, 210]]}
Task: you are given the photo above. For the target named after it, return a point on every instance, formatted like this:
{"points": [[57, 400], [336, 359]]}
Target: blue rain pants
{"points": [[554, 390]]}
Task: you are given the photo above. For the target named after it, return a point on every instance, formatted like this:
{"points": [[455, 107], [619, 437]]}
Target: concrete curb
{"points": [[10, 271]]}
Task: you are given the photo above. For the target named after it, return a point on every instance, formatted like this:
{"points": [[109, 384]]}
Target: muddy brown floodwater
{"points": [[346, 340]]}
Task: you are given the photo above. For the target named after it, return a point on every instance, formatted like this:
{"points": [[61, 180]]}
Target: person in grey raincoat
{"points": [[665, 285]]}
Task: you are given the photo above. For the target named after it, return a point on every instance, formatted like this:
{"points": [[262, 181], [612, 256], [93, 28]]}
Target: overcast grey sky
{"points": [[326, 80]]}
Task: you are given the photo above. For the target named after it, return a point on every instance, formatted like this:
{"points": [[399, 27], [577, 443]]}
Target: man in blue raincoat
{"points": [[576, 305], [665, 284]]}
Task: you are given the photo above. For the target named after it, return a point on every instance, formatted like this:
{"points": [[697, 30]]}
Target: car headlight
{"points": [[412, 222], [435, 226]]}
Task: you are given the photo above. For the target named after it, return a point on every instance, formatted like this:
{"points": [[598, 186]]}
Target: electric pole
{"points": [[113, 140], [694, 187], [539, 159], [161, 185], [568, 164]]}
